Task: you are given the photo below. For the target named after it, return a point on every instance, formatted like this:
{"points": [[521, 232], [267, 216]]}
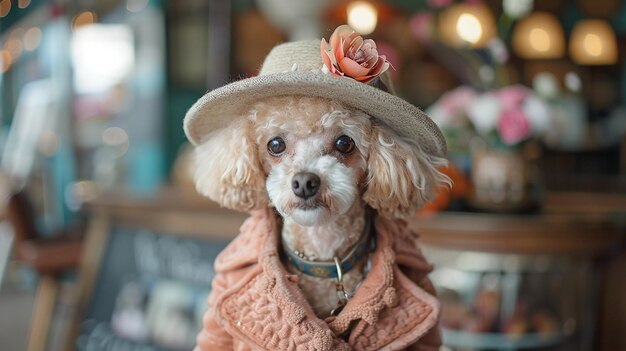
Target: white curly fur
{"points": [[390, 174], [227, 170], [401, 177]]}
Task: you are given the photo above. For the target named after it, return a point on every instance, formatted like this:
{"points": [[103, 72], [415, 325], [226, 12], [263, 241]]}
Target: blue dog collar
{"points": [[328, 269]]}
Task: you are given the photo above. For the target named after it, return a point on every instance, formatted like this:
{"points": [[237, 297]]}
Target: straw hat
{"points": [[295, 69]]}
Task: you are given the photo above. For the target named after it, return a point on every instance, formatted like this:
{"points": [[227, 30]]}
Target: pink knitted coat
{"points": [[256, 304]]}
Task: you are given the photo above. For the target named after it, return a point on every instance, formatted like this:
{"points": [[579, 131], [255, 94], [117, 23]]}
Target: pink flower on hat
{"points": [[348, 54], [513, 126]]}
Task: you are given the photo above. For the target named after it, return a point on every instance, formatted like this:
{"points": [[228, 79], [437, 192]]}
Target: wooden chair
{"points": [[48, 256]]}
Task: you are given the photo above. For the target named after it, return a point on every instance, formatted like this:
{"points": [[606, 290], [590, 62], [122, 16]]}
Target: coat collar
{"points": [[373, 310]]}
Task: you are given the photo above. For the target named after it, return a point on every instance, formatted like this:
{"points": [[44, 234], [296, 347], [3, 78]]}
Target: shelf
{"points": [[456, 338], [587, 224]]}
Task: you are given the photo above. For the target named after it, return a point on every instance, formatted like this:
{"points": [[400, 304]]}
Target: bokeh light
{"points": [[83, 19], [23, 3], [593, 43], [102, 56], [468, 28], [14, 46], [539, 39], [467, 25], [362, 17], [32, 39], [136, 5], [539, 35], [5, 60], [48, 143], [117, 138], [5, 7]]}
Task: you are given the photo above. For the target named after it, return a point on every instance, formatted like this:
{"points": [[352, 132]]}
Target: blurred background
{"points": [[104, 244]]}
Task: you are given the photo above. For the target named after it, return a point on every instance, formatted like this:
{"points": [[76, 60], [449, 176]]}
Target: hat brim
{"points": [[218, 108]]}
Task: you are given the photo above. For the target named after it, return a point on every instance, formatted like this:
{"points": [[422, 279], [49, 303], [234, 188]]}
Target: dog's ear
{"points": [[228, 169], [401, 178]]}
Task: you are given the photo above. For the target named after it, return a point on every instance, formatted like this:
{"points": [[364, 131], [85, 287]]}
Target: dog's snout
{"points": [[305, 184]]}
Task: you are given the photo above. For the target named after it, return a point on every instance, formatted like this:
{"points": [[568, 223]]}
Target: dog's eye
{"points": [[276, 146], [344, 144]]}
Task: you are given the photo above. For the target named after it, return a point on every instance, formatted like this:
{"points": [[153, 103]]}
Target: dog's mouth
{"points": [[309, 214], [311, 205]]}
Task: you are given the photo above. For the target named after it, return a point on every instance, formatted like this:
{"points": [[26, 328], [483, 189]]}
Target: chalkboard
{"points": [[148, 291]]}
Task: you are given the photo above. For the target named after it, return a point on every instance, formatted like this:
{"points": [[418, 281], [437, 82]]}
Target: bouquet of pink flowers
{"points": [[506, 116]]}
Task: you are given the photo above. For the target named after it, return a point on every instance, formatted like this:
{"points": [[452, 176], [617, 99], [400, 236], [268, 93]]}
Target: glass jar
{"points": [[514, 302], [505, 179]]}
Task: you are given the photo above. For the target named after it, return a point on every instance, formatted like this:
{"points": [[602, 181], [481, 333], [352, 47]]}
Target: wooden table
{"points": [[179, 212]]}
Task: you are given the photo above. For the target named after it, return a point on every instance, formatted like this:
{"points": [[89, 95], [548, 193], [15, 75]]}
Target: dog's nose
{"points": [[305, 184]]}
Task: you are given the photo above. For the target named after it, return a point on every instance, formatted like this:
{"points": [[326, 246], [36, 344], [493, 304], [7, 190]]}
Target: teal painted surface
{"points": [[623, 81], [569, 18], [619, 22], [63, 170], [146, 168], [409, 5], [178, 102], [243, 5], [16, 14]]}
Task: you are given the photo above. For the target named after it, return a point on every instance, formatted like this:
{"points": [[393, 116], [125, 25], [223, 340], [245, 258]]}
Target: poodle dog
{"points": [[326, 169], [328, 161]]}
